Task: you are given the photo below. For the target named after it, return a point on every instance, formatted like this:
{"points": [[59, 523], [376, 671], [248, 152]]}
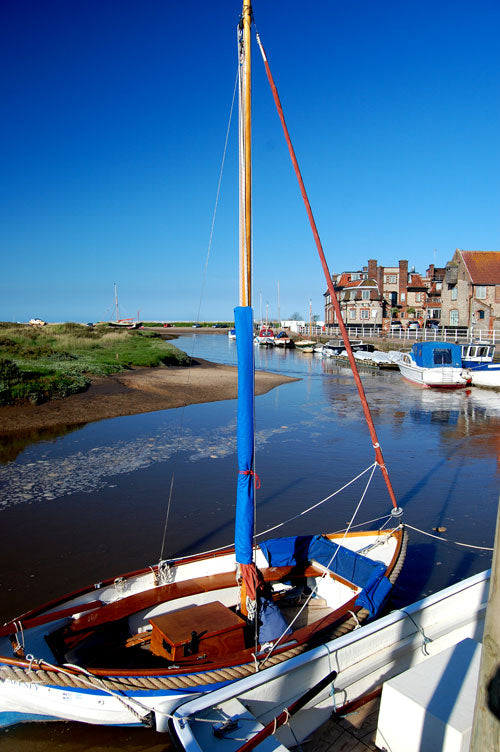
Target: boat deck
{"points": [[352, 733]]}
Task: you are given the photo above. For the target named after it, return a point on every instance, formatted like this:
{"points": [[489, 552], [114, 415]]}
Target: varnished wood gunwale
{"points": [[164, 593]]}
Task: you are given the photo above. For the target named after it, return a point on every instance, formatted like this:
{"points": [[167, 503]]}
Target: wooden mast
{"points": [[246, 159], [249, 579]]}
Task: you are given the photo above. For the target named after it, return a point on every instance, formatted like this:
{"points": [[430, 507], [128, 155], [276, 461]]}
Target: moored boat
{"points": [[434, 364], [305, 343], [283, 340], [478, 358], [265, 336]]}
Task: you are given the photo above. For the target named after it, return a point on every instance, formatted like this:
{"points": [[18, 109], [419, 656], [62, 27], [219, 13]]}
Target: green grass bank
{"points": [[40, 364]]}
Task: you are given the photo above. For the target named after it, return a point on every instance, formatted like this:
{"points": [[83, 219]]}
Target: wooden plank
{"points": [[163, 593], [37, 621]]}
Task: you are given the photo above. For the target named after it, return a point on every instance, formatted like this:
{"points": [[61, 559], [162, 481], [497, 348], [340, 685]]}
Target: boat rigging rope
{"points": [[319, 503], [323, 576], [301, 514], [328, 277], [179, 433]]}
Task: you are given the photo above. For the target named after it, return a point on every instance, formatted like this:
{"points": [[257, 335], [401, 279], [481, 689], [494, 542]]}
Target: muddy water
{"points": [[89, 504]]}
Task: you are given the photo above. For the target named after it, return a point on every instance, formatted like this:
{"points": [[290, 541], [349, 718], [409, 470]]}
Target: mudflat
{"points": [[137, 391]]}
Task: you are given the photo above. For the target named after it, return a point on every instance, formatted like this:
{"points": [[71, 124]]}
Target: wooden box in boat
{"points": [[211, 629]]}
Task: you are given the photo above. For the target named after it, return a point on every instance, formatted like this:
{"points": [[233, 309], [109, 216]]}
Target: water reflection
{"points": [[15, 443]]}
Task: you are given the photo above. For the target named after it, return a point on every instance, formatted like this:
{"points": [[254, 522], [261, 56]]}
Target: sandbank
{"points": [[137, 391]]}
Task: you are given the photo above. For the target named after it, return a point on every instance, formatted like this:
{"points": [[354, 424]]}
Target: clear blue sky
{"points": [[114, 115]]}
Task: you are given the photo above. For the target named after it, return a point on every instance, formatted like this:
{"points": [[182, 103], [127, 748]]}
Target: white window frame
{"points": [[481, 292], [454, 317]]}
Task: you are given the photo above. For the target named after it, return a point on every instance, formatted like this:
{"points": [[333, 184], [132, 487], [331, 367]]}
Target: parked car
{"points": [[37, 322], [167, 325], [413, 324], [430, 324], [396, 326]]}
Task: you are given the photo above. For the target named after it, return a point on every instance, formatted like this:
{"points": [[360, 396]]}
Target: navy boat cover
{"points": [[360, 570]]}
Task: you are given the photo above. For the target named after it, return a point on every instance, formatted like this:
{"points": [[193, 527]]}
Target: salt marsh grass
{"points": [[37, 364]]}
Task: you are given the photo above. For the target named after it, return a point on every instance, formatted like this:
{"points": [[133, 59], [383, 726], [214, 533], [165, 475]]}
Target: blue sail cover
{"points": [[243, 534], [360, 570]]}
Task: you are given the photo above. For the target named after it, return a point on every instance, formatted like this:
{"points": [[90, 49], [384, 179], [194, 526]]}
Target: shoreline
{"points": [[133, 392]]}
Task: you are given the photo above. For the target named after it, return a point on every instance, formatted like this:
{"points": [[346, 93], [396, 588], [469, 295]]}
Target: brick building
{"points": [[471, 290], [378, 294]]}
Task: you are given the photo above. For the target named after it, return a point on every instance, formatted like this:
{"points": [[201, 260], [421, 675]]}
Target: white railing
{"points": [[455, 334]]}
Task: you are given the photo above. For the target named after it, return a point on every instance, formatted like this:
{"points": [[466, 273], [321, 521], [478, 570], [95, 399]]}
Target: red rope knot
{"points": [[251, 472]]}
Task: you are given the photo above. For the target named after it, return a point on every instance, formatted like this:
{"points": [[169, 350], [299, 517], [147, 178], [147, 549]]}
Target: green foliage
{"points": [[41, 364], [37, 385]]}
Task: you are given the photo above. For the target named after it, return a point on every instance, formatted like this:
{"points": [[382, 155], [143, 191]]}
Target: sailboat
{"points": [[125, 651], [129, 323]]}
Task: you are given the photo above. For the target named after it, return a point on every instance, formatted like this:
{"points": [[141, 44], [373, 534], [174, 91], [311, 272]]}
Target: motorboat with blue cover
{"points": [[435, 364]]}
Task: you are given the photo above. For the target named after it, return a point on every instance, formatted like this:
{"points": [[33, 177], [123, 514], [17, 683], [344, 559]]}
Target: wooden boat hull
{"points": [[363, 659], [39, 685]]}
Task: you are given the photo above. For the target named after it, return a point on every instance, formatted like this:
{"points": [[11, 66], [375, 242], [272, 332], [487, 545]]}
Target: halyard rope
{"points": [[167, 515], [300, 514]]}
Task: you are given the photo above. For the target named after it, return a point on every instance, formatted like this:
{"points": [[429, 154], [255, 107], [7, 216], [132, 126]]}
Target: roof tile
{"points": [[483, 266]]}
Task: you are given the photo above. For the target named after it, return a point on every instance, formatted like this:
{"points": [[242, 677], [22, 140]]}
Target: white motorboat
{"points": [[478, 358], [435, 364]]}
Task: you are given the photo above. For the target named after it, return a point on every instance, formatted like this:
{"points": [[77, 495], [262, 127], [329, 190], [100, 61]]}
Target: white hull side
{"points": [[364, 659], [37, 702], [445, 377], [488, 377]]}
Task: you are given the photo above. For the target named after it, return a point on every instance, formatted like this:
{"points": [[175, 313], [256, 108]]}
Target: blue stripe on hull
{"points": [[13, 719]]}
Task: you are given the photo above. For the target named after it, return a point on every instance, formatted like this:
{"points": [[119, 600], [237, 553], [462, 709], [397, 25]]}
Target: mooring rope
{"points": [[447, 540]]}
